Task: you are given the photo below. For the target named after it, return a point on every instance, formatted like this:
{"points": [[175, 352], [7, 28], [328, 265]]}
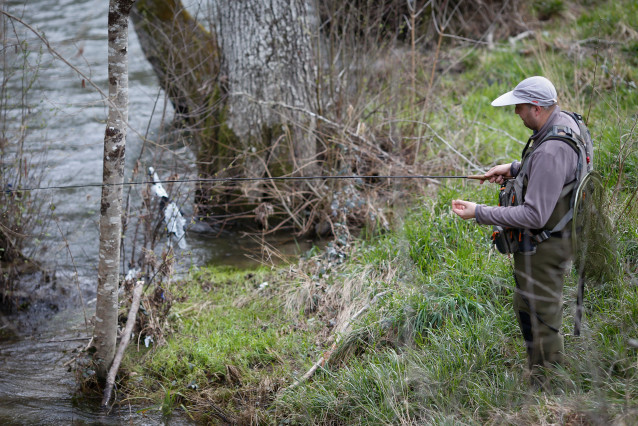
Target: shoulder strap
{"points": [[579, 145], [564, 134]]}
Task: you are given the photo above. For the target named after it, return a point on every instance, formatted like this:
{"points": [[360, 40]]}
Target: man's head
{"points": [[534, 98]]}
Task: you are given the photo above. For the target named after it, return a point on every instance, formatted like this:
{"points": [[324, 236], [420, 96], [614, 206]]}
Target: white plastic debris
{"points": [[175, 223], [147, 341], [173, 219], [132, 274], [157, 188]]}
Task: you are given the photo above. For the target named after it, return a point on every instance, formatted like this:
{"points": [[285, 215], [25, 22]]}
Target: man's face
{"points": [[529, 115]]}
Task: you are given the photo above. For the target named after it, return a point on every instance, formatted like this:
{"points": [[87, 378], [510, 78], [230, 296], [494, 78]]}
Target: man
{"points": [[547, 166]]}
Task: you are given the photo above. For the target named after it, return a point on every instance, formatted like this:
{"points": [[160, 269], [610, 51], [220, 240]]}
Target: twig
{"points": [[521, 36], [500, 131], [72, 339], [86, 348], [596, 40], [326, 120], [439, 137], [327, 354], [126, 336], [56, 54]]}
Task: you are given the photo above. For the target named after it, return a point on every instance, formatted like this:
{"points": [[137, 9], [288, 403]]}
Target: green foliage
{"points": [[631, 50], [433, 236], [218, 342], [607, 18], [546, 9], [445, 347]]}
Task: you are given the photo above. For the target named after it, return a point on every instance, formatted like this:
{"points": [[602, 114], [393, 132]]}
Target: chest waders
{"points": [[542, 256]]}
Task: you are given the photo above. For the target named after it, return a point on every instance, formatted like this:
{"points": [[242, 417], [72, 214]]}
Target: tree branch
{"points": [[126, 336]]}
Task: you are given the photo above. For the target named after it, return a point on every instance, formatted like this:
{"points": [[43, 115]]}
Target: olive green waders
{"points": [[538, 300]]}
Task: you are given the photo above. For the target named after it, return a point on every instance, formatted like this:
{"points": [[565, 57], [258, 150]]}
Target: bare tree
{"points": [[105, 332]]}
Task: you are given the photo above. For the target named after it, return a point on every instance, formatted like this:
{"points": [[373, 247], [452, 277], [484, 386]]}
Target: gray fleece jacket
{"points": [[552, 165]]}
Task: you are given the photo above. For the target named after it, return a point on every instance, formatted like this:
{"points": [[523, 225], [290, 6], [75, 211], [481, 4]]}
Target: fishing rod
{"points": [[247, 179]]}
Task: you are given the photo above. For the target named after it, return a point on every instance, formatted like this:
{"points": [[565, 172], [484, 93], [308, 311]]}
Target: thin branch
{"points": [[469, 162], [126, 336], [501, 131], [74, 68], [55, 52], [321, 118], [75, 269]]}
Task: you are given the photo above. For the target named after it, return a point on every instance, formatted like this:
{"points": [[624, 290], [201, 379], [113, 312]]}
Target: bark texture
{"points": [[247, 87], [267, 56], [105, 332]]}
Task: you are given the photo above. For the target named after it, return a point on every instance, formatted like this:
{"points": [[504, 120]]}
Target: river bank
{"points": [[60, 119], [413, 325], [399, 328]]}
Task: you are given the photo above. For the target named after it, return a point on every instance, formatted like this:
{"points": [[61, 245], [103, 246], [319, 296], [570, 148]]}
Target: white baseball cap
{"points": [[533, 90]]}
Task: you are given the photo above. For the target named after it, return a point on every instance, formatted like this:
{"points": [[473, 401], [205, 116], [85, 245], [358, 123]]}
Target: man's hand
{"points": [[498, 173], [465, 209]]}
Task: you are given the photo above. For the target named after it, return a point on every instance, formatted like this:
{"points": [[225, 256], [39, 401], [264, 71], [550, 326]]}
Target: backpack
{"points": [[514, 240]]}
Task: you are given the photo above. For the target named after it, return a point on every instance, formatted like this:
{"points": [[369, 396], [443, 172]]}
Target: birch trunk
{"points": [[105, 332]]}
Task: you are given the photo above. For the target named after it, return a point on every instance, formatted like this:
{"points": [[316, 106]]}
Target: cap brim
{"points": [[508, 99]]}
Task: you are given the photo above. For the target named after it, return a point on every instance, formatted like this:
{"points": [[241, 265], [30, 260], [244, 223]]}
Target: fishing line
{"points": [[243, 179]]}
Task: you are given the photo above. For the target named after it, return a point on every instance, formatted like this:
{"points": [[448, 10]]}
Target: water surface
{"points": [[66, 136]]}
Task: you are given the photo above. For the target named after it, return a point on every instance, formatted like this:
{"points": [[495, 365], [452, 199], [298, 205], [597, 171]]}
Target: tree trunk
{"points": [[105, 332], [267, 56], [183, 54], [252, 80]]}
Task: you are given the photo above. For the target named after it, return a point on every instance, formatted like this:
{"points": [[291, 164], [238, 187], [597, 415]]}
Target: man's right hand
{"points": [[498, 174]]}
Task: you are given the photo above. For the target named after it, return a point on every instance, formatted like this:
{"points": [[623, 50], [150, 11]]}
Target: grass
{"points": [[227, 333], [440, 343], [441, 347], [444, 348]]}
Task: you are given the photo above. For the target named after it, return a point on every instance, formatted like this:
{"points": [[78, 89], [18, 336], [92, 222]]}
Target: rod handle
{"points": [[477, 177]]}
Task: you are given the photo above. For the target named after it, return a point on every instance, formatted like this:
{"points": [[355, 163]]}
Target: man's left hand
{"points": [[465, 209]]}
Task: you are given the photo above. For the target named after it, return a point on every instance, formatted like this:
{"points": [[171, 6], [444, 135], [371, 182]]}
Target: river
{"points": [[36, 386]]}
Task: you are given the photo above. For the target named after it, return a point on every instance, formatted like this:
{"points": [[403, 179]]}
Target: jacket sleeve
{"points": [[514, 168], [551, 167]]}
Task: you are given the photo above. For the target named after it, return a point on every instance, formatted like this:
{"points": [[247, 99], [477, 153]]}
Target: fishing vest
{"points": [[512, 192]]}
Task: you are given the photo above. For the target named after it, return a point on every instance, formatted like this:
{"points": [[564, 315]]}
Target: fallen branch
{"points": [[126, 336], [327, 354]]}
